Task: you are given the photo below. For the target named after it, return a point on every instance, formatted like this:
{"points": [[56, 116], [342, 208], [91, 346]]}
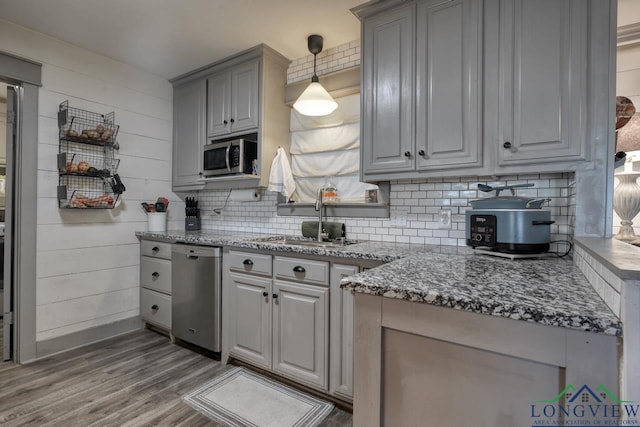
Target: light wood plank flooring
{"points": [[134, 380]]}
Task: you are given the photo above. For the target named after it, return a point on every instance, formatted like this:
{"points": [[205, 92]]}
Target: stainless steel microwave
{"points": [[229, 157]]}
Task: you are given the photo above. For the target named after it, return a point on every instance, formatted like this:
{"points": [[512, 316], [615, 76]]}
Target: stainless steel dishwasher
{"points": [[196, 286]]}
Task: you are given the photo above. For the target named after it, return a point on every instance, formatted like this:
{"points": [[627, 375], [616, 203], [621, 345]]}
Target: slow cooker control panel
{"points": [[483, 230]]}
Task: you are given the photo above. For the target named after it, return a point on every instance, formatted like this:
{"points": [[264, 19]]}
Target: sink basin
{"points": [[300, 241]]}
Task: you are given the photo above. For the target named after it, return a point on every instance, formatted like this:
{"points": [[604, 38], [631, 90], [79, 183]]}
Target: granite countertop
{"points": [[550, 290], [378, 251]]}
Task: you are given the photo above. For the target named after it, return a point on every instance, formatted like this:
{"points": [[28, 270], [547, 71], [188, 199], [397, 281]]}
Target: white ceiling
{"points": [[171, 37]]}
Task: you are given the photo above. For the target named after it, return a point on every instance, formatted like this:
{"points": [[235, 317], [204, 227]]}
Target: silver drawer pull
{"points": [[155, 274], [155, 249], [299, 269], [247, 262], [155, 307]]}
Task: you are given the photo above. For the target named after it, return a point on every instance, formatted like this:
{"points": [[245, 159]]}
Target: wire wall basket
{"points": [[86, 127], [87, 167]]}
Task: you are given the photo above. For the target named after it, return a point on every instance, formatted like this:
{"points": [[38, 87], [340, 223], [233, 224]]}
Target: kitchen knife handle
{"points": [[542, 222]]}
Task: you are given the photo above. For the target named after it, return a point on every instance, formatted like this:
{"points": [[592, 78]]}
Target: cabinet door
{"points": [[387, 95], [245, 96], [249, 318], [543, 65], [449, 110], [219, 104], [300, 332], [341, 363], [189, 111]]}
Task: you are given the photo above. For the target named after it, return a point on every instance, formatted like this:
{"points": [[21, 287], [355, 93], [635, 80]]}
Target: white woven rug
{"points": [[239, 397]]}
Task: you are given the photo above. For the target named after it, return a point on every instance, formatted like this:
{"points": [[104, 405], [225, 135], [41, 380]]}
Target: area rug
{"points": [[239, 397]]}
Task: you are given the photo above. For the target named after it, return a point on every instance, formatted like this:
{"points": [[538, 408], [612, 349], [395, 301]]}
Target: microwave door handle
{"points": [[227, 157]]}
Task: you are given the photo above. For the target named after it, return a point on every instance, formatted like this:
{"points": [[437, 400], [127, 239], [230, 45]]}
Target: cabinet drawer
{"points": [[155, 308], [155, 249], [155, 274], [247, 262], [302, 270]]}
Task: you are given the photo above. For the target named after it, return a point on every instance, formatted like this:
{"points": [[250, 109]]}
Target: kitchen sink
{"points": [[301, 241]]}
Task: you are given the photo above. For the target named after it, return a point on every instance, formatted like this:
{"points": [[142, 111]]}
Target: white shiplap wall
{"points": [[88, 261]]}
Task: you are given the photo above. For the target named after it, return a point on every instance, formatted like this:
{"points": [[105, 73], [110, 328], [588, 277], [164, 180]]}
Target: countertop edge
{"points": [[623, 259]]}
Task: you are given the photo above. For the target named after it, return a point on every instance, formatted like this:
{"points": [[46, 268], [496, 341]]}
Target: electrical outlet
{"points": [[444, 219], [399, 217]]}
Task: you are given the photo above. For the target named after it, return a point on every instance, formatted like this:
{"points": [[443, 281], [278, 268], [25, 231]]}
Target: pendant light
{"points": [[315, 100]]}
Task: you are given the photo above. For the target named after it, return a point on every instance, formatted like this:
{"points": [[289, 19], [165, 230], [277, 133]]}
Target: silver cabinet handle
{"points": [[155, 274]]}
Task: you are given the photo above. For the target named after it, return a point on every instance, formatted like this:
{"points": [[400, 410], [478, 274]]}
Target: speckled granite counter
{"points": [[378, 251], [548, 291]]}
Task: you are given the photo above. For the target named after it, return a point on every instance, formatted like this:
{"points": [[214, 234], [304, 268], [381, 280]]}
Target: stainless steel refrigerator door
{"points": [[196, 295]]}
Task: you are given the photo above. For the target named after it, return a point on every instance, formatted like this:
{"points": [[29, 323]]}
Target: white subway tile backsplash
{"points": [[334, 59]]}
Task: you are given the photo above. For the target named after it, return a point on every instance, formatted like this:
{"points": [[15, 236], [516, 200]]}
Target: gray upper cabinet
{"points": [[219, 104], [189, 115], [239, 95], [543, 81], [422, 84], [478, 87], [387, 91], [448, 84], [233, 100]]}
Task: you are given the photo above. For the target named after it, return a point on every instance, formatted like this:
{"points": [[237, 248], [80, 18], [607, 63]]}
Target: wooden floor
{"points": [[134, 380]]}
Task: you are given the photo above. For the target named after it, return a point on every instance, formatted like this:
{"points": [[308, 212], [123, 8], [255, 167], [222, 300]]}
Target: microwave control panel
{"points": [[234, 156], [483, 230]]}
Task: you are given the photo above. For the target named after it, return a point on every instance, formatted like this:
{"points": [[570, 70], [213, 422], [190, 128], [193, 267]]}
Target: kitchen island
{"points": [[520, 332]]}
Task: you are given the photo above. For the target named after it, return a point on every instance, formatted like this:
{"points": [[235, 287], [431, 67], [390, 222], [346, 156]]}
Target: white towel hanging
{"points": [[281, 178]]}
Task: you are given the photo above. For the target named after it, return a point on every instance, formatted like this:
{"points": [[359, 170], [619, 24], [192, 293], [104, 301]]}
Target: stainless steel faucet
{"points": [[321, 235]]}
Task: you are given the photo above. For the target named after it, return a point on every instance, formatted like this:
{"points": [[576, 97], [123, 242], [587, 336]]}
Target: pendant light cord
{"points": [[314, 78]]}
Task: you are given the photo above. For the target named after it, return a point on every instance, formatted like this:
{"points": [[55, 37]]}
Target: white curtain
{"points": [[328, 146]]}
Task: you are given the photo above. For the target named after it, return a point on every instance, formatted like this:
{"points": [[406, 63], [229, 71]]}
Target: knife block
{"points": [[192, 223]]}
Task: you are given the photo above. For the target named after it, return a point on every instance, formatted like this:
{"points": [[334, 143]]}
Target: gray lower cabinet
{"points": [[248, 306], [341, 344], [300, 331], [278, 321], [155, 283]]}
